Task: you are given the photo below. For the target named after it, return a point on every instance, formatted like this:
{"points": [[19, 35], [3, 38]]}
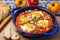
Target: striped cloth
{"points": [[41, 2]]}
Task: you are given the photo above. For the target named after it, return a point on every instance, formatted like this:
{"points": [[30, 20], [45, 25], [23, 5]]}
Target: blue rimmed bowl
{"points": [[17, 10]]}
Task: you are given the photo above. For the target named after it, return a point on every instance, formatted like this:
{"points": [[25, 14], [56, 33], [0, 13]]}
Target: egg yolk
{"points": [[36, 13], [23, 18], [29, 25], [43, 23]]}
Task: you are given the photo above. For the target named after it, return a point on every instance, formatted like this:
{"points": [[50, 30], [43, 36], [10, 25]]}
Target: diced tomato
{"points": [[46, 28], [35, 31], [24, 23], [49, 27], [36, 25], [44, 13], [17, 20], [50, 20], [29, 10], [20, 14], [20, 28], [26, 31], [17, 17], [23, 13], [29, 15], [31, 31], [17, 23], [39, 30], [38, 17]]}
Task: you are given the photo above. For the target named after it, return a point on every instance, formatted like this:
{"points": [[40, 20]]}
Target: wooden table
{"points": [[55, 37]]}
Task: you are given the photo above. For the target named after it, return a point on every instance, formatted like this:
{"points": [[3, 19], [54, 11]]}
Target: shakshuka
{"points": [[34, 21]]}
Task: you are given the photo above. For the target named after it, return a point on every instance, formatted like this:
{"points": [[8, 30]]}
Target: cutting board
{"points": [[5, 21]]}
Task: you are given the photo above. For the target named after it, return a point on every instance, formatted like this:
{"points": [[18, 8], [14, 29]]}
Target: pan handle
{"points": [[56, 28], [14, 11]]}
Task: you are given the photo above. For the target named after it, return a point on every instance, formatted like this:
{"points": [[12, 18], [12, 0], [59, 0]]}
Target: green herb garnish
{"points": [[28, 21], [34, 18]]}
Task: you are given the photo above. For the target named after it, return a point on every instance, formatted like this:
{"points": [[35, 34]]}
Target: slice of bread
{"points": [[9, 32], [1, 37], [6, 33], [14, 34], [4, 10]]}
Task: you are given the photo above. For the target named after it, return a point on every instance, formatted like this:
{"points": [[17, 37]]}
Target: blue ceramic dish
{"points": [[17, 10]]}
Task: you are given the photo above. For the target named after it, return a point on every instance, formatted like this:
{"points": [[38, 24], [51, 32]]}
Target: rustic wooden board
{"points": [[55, 37]]}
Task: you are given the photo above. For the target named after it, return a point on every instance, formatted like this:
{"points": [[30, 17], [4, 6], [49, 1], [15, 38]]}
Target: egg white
{"points": [[42, 21], [24, 27], [40, 12]]}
